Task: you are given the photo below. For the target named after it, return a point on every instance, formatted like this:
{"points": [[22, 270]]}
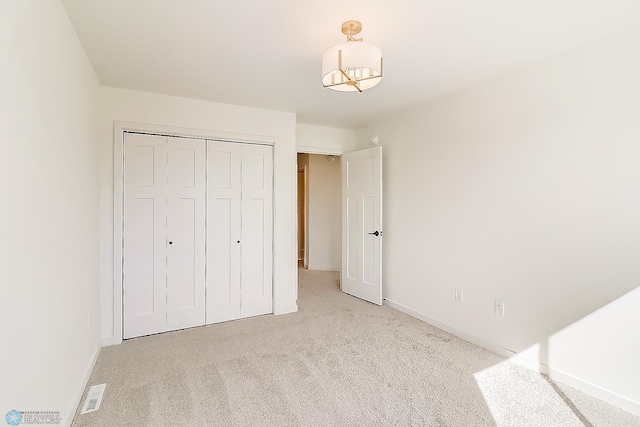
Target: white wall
{"points": [[526, 189], [324, 140], [324, 195], [49, 216], [148, 108]]}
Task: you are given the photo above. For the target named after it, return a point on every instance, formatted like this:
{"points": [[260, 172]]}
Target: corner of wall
{"points": [[77, 398], [277, 311]]}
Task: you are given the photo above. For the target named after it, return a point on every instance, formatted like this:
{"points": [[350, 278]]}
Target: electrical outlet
{"points": [[499, 307], [459, 295]]}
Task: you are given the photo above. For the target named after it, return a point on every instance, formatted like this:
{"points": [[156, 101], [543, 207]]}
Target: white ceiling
{"points": [[267, 53]]}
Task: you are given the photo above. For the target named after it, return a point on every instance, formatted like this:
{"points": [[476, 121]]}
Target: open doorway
{"points": [[319, 212], [302, 214]]}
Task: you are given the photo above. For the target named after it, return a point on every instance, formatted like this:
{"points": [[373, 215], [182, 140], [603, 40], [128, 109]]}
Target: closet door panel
{"points": [[223, 231], [144, 269], [257, 229], [185, 232]]}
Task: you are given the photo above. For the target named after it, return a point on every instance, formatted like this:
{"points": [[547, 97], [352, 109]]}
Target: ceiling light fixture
{"points": [[352, 66]]}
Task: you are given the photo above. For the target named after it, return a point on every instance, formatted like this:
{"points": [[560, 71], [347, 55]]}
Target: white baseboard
{"points": [[585, 387], [322, 268], [595, 391], [285, 310], [107, 341], [448, 328], [71, 411]]}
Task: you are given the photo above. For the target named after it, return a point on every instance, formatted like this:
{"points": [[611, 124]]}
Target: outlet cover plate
{"points": [[499, 307]]}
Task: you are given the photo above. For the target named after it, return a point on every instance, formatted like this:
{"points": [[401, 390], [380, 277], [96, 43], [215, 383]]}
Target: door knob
{"points": [[171, 243], [376, 233]]}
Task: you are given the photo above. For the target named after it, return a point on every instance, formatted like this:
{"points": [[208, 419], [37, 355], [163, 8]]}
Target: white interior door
{"points": [[185, 233], [361, 274], [145, 234], [257, 230], [224, 208]]}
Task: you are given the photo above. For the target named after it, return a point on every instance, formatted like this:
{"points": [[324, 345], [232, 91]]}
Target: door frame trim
{"points": [[119, 129]]}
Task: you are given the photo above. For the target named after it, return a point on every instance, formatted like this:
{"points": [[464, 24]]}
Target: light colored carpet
{"points": [[339, 361]]}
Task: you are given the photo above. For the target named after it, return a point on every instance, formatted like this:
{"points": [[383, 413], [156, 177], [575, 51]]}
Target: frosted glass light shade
{"points": [[361, 61]]}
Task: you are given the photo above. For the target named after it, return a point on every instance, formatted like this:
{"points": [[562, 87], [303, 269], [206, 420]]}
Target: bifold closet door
{"points": [[164, 233], [185, 232], [257, 230], [224, 210], [145, 231], [239, 230]]}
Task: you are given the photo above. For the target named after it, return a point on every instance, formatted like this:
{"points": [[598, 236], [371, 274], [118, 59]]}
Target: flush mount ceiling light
{"points": [[352, 66]]}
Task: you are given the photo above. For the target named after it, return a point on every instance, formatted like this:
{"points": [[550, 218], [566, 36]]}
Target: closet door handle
{"points": [[376, 233], [171, 243]]}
